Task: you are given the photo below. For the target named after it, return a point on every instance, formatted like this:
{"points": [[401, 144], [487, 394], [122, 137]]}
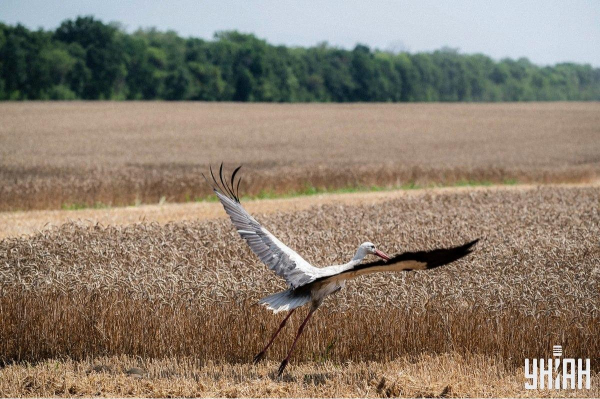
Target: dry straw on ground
{"points": [[74, 154], [448, 375]]}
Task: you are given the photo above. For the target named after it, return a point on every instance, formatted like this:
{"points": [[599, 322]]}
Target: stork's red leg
{"points": [[261, 354], [300, 329]]}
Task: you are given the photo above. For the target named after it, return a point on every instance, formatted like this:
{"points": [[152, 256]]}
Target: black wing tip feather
{"points": [[432, 259], [444, 256], [230, 189]]}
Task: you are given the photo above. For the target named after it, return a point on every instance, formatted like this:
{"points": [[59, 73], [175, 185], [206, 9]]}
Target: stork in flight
{"points": [[309, 284]]}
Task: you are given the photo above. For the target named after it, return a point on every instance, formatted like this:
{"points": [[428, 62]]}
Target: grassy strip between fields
{"points": [[308, 190]]}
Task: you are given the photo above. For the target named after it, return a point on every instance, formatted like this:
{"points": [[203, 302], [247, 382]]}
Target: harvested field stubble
{"points": [[448, 375], [186, 289], [86, 154]]}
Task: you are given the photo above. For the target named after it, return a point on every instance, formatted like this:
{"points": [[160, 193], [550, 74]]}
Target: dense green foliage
{"points": [[87, 59]]}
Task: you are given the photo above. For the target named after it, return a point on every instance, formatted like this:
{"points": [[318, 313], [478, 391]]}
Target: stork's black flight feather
{"points": [[406, 262], [430, 259]]}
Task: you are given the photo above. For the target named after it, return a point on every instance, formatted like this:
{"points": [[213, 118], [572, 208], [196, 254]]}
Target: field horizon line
{"points": [[307, 191]]}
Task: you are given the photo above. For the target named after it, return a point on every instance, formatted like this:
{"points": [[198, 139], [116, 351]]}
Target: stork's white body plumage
{"points": [[307, 283], [325, 281]]}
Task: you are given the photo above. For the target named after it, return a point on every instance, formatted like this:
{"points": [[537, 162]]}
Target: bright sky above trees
{"points": [[546, 32]]}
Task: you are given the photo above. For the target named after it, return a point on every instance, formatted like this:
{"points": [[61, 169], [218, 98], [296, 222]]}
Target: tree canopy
{"points": [[88, 59]]}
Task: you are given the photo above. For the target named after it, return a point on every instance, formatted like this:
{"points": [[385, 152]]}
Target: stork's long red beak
{"points": [[381, 255]]}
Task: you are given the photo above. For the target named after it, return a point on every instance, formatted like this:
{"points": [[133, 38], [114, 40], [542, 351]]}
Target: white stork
{"points": [[307, 283]]}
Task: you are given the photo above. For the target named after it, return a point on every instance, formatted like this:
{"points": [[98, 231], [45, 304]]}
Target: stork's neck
{"points": [[336, 269], [358, 257]]}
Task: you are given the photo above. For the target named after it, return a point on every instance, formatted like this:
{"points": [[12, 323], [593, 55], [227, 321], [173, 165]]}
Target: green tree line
{"points": [[88, 59]]}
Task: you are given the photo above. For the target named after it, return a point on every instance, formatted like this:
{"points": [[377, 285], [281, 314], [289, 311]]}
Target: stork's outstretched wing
{"points": [[408, 261], [284, 261]]}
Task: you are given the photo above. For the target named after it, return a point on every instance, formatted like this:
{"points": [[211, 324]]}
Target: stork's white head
{"points": [[368, 248]]}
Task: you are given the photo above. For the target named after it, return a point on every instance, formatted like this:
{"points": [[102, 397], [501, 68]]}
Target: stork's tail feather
{"points": [[285, 300]]}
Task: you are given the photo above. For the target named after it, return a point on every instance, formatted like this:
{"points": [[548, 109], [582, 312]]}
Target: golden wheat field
{"points": [[68, 155], [82, 304], [159, 299]]}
